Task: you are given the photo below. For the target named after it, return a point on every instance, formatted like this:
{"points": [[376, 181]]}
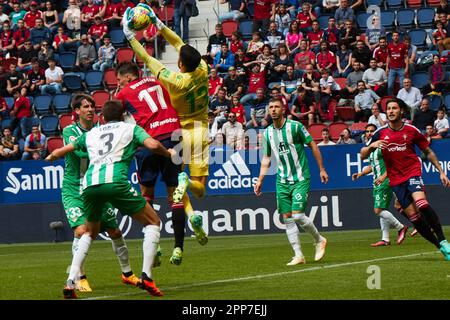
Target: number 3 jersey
{"points": [[110, 148], [149, 104]]}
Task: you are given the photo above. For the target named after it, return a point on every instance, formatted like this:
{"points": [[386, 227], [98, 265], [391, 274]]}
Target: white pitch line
{"points": [[270, 275]]}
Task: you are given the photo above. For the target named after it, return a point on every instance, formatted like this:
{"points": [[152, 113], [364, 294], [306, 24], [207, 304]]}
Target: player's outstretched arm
{"points": [[434, 160], [364, 172], [158, 148], [265, 165], [366, 151], [60, 152], [318, 156]]}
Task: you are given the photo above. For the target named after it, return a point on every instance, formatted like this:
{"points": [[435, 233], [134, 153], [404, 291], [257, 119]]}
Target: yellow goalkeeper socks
{"points": [[197, 188]]}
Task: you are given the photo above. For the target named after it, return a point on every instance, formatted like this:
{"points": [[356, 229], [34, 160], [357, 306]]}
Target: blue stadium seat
{"points": [[378, 3], [447, 102], [73, 82], [61, 103], [94, 80], [117, 38], [246, 29], [447, 76], [6, 123], [388, 20], [67, 60], [251, 9], [394, 4], [50, 125], [42, 105], [425, 17], [405, 18], [10, 102], [435, 101], [418, 38], [420, 80], [361, 20]]}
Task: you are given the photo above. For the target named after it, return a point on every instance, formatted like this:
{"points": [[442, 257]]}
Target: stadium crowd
{"points": [[334, 68]]}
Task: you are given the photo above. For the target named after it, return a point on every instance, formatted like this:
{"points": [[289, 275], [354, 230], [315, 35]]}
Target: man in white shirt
{"points": [[53, 78], [377, 118], [326, 138], [441, 124], [234, 132], [410, 95], [375, 78]]}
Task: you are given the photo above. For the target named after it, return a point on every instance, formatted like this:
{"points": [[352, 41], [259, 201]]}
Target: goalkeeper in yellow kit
{"points": [[188, 91]]}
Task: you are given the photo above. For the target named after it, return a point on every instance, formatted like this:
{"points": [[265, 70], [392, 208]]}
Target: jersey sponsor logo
{"points": [[51, 178], [233, 175], [156, 124], [282, 148], [394, 147]]}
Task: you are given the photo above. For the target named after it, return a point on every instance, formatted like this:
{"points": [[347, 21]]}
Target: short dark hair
{"points": [[325, 130], [78, 98], [190, 57], [371, 125], [127, 67], [112, 110], [276, 99]]}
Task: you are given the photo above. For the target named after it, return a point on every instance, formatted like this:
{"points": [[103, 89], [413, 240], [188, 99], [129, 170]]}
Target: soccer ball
{"points": [[138, 18]]}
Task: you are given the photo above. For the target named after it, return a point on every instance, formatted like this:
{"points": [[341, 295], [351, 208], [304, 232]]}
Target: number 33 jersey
{"points": [[149, 104], [110, 148]]}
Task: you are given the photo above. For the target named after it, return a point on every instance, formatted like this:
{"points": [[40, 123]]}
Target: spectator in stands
{"points": [[233, 84], [215, 42], [436, 74], [311, 83], [438, 34], [35, 142], [236, 42], [302, 107], [3, 82], [53, 78], [328, 88], [25, 55], [283, 20], [239, 62], [3, 16], [86, 55], [258, 111], [442, 8], [331, 34], [424, 116], [257, 80], [220, 106], [4, 109], [326, 141], [315, 37], [377, 118], [344, 13], [21, 114], [39, 33], [237, 10], [282, 59], [411, 96], [305, 18], [304, 56], [31, 16], [412, 53], [9, 147], [62, 42], [121, 7], [293, 38], [266, 59], [274, 37], [17, 14], [214, 84], [254, 47], [14, 80], [219, 143], [374, 33], [397, 61], [50, 16], [212, 126], [348, 33], [106, 55], [234, 132], [289, 85], [375, 78], [108, 12], [88, 14], [325, 59], [362, 54], [364, 101], [97, 32], [224, 59], [380, 53], [35, 78], [72, 19], [444, 44], [346, 136], [238, 109], [264, 12], [329, 6], [7, 42], [357, 5], [45, 53], [21, 34], [431, 134], [441, 124], [343, 61]]}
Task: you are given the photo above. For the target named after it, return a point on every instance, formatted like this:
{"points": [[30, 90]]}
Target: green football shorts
{"points": [[76, 216], [292, 197], [120, 194], [382, 196]]}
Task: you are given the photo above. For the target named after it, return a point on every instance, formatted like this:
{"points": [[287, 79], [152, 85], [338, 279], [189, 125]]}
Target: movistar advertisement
{"points": [[229, 173]]}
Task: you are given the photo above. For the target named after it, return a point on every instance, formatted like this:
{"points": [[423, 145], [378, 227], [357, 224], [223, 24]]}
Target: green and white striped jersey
{"points": [[76, 163], [287, 145], [110, 148], [378, 167]]}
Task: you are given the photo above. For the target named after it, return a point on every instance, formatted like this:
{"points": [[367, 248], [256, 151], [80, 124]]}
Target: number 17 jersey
{"points": [[149, 104]]}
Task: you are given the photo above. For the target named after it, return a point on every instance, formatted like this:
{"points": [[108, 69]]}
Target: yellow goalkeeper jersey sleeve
{"points": [[188, 91]]}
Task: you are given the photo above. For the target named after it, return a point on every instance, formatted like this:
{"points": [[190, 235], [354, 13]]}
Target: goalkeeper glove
{"points": [[154, 19], [129, 33]]}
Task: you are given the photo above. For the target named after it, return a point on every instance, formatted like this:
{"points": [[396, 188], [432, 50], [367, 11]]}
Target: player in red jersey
{"points": [[149, 104], [404, 169]]}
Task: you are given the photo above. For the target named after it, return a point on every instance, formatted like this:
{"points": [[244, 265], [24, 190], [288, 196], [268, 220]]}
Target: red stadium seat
{"points": [[229, 26], [124, 54], [315, 130], [110, 79], [336, 129], [414, 3], [358, 126], [345, 113], [65, 120], [100, 97], [384, 101], [342, 82], [54, 143], [150, 51]]}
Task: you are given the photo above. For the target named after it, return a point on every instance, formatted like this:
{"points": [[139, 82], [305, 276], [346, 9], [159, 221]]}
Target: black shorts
{"points": [[404, 191], [150, 165]]}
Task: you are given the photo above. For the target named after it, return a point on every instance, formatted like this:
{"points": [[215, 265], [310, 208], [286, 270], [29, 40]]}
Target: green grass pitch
{"points": [[238, 267]]}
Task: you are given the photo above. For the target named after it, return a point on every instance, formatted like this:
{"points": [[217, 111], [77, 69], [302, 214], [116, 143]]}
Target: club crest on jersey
{"points": [[405, 136], [72, 138], [282, 148]]}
